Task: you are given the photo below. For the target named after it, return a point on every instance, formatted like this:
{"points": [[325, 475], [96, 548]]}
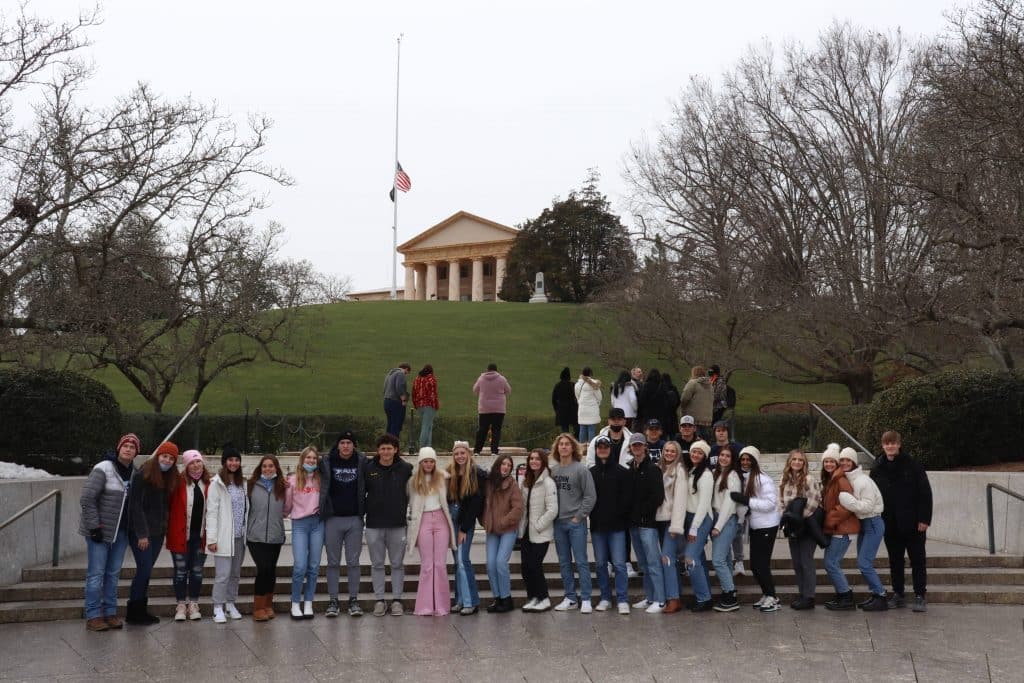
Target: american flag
{"points": [[402, 180]]}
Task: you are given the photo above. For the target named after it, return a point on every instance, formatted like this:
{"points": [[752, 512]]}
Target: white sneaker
{"points": [[738, 569], [542, 606], [530, 605], [623, 608], [307, 609], [296, 610], [757, 605], [770, 605], [585, 607], [643, 604], [179, 611], [193, 612], [566, 605], [233, 611], [630, 572], [603, 606], [654, 608], [611, 569], [218, 614]]}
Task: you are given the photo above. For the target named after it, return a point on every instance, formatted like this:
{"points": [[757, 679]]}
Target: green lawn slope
{"points": [[352, 346]]}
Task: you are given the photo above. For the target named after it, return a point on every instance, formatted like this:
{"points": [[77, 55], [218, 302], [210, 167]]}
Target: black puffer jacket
{"points": [[906, 492], [648, 493], [613, 485]]}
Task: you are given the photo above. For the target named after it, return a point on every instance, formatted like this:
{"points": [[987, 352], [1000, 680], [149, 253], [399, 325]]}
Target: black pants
{"points": [[265, 556], [762, 542], [896, 544], [532, 557], [492, 421]]}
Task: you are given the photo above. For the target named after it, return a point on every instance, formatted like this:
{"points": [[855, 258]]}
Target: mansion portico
{"points": [[462, 258]]}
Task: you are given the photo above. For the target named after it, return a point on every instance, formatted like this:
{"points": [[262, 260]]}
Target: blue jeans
{"points": [[571, 544], [611, 545], [465, 576], [307, 548], [101, 576], [694, 555], [144, 561], [648, 556], [427, 414], [872, 530], [188, 570], [395, 412], [669, 553], [721, 546], [834, 554], [587, 432], [499, 553]]}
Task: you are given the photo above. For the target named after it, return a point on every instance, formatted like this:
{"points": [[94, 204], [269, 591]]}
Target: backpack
{"points": [[730, 397]]}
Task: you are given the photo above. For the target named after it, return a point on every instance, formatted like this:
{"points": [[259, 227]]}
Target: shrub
{"points": [[772, 432], [852, 420], [963, 417], [58, 421]]}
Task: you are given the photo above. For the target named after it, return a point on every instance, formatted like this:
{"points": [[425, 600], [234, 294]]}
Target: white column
{"points": [[499, 276], [454, 282], [431, 282], [410, 282], [478, 280], [421, 282]]}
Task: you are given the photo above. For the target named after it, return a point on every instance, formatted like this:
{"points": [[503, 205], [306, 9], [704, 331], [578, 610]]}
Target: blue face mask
{"points": [[272, 476], [309, 468], [164, 467]]}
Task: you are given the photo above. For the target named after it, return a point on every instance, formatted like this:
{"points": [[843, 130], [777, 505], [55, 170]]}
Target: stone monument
{"points": [[539, 296]]}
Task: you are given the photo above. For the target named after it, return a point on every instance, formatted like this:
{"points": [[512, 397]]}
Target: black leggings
{"points": [[762, 542], [265, 556], [532, 556]]}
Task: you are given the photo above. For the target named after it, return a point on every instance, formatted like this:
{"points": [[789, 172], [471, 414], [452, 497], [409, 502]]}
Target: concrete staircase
{"points": [[956, 575]]}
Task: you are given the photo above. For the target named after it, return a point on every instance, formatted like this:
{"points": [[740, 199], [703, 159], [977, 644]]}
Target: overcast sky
{"points": [[504, 106]]}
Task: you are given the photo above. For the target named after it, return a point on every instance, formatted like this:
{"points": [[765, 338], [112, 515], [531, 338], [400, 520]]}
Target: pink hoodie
{"points": [[492, 389], [299, 504]]}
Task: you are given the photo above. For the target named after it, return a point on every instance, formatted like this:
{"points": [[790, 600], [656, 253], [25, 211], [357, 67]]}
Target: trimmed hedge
{"points": [[962, 417], [276, 433], [55, 420], [851, 418]]}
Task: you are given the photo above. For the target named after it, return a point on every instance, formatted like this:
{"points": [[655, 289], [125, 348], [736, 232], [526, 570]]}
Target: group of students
{"points": [[666, 502]]}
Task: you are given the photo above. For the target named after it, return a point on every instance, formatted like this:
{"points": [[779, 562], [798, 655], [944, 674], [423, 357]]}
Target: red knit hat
{"points": [[129, 438], [169, 448]]}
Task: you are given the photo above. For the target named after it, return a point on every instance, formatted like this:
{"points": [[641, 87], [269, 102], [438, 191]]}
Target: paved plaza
{"points": [[949, 643]]}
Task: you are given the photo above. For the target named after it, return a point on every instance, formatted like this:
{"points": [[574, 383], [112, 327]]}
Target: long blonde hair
{"points": [[423, 486], [300, 472], [790, 477], [464, 485]]}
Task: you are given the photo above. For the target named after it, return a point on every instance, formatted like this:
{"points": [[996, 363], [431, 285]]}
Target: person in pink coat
{"points": [[492, 390]]}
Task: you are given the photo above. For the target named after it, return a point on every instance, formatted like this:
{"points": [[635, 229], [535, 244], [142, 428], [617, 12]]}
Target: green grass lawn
{"points": [[353, 345]]}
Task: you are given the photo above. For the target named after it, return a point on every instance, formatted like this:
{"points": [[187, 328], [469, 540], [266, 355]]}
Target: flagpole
{"points": [[394, 170]]}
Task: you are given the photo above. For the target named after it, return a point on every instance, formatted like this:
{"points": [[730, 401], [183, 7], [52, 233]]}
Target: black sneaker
{"points": [[705, 606], [354, 610], [897, 601], [333, 608], [878, 604], [842, 601], [802, 603], [728, 602]]}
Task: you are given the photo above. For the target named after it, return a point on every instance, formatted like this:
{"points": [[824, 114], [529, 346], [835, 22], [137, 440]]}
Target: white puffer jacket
{"points": [[764, 504], [866, 499], [542, 510], [588, 396]]}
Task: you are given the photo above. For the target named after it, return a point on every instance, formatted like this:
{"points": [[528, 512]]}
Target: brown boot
{"points": [[268, 605], [96, 624], [672, 606], [258, 610], [114, 621]]}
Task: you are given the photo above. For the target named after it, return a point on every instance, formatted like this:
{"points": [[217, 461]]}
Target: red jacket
{"points": [[177, 517], [424, 391]]}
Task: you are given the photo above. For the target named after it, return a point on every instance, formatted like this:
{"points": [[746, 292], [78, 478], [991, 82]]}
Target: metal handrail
{"points": [[56, 520], [988, 505], [849, 436]]}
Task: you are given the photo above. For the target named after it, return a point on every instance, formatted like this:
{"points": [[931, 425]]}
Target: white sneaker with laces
{"points": [[585, 607], [630, 572], [179, 611], [307, 609], [738, 569], [603, 606], [542, 606], [218, 614], [193, 612], [770, 605], [296, 610], [233, 611], [530, 605], [757, 605], [654, 608], [623, 608], [566, 605], [643, 604]]}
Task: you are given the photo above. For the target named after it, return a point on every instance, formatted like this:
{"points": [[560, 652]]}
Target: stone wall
{"points": [[959, 509], [29, 541]]}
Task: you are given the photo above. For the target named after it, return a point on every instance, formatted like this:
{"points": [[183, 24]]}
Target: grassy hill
{"points": [[354, 344]]}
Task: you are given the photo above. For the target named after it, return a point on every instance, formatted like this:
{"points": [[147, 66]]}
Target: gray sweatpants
{"points": [[343, 533], [227, 571], [802, 551], [392, 542]]}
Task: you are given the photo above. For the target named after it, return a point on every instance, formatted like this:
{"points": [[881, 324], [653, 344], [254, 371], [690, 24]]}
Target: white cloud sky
{"points": [[504, 105]]}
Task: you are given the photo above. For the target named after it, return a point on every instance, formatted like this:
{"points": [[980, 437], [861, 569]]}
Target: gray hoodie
{"points": [[576, 492]]}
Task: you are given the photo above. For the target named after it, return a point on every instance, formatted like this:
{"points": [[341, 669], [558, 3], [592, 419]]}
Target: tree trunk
{"points": [[861, 385], [999, 352]]}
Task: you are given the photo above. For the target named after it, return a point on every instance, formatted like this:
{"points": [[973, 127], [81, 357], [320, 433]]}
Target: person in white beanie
{"points": [[840, 524], [866, 503], [761, 496], [432, 534]]}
